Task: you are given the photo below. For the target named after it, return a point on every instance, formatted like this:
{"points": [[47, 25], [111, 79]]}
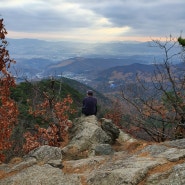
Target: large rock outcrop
{"points": [[96, 161], [85, 135]]}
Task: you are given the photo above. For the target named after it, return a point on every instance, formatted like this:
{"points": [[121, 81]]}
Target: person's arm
{"points": [[96, 108], [83, 106]]}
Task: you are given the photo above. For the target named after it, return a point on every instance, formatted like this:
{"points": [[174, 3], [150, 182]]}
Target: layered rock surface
{"points": [[92, 157]]}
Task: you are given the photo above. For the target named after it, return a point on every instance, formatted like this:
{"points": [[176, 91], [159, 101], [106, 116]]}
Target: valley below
{"points": [[105, 67]]}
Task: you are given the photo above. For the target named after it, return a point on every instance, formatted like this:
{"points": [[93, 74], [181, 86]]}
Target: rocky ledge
{"points": [[99, 154]]}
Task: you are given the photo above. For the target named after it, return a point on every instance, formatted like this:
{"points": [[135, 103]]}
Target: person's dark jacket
{"points": [[89, 106]]}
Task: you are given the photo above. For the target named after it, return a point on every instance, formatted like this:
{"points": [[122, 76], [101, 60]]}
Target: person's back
{"points": [[89, 104]]}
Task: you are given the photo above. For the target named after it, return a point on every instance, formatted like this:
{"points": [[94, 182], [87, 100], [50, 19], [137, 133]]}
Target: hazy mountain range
{"points": [[56, 51], [93, 64], [35, 57]]}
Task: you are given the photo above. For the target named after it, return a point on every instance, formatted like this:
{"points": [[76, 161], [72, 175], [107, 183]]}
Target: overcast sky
{"points": [[93, 20]]}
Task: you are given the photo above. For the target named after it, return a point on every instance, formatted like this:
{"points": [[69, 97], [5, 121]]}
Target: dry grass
{"points": [[16, 160], [3, 174], [74, 154], [13, 161], [86, 168], [83, 180], [144, 154], [130, 147], [161, 169]]}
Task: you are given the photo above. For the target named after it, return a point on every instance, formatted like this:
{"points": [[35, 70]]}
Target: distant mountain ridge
{"points": [[33, 48], [95, 64], [80, 64], [39, 57], [112, 78], [132, 68]]}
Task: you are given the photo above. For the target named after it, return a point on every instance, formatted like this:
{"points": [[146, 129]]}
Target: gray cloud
{"points": [[144, 18], [46, 19]]}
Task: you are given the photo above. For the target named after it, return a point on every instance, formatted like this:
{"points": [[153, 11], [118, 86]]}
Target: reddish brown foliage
{"points": [[57, 115], [116, 113], [8, 108]]}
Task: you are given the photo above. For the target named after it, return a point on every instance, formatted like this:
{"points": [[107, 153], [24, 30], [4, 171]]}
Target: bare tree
{"points": [[158, 107]]}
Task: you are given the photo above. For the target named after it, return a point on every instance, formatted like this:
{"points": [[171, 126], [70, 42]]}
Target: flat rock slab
{"points": [[130, 171], [41, 175], [180, 143]]}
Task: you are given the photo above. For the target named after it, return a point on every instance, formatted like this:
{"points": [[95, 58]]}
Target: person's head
{"points": [[90, 93]]}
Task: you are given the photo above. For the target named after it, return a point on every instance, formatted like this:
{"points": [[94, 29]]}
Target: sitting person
{"points": [[89, 104]]}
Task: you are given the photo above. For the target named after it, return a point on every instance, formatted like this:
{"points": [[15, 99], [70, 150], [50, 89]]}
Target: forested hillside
{"points": [[32, 97], [25, 92]]}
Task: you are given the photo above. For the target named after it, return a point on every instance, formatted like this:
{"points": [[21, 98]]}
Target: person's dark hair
{"points": [[90, 92]]}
